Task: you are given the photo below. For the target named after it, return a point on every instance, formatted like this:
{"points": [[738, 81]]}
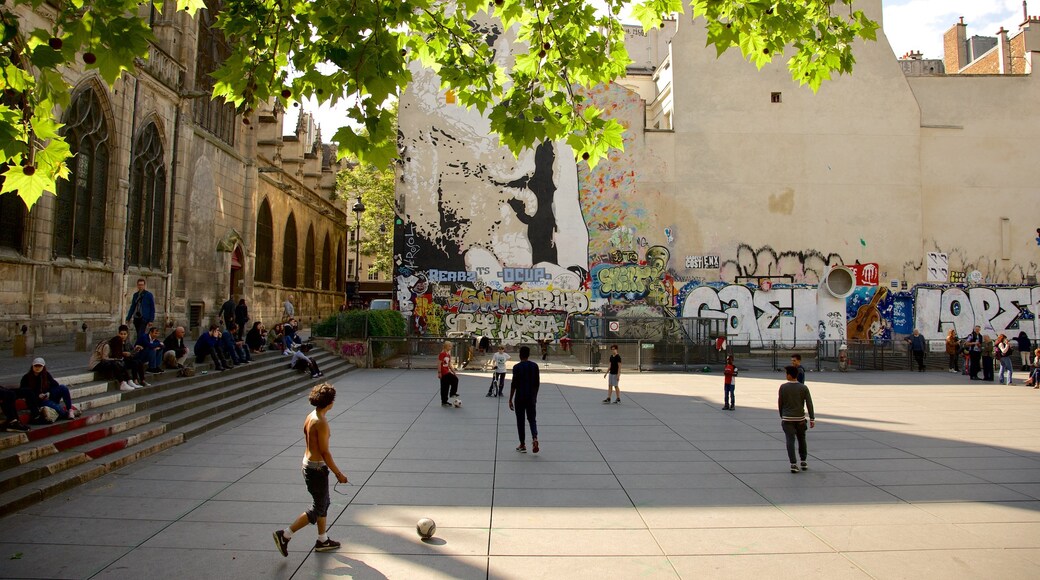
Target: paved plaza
{"points": [[911, 476]]}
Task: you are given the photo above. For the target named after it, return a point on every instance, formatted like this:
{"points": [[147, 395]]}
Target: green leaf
{"points": [[29, 187]]}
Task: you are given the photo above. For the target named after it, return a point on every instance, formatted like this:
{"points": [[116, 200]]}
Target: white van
{"points": [[381, 304]]}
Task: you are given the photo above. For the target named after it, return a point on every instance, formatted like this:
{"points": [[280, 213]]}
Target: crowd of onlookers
{"points": [[980, 353], [129, 361]]}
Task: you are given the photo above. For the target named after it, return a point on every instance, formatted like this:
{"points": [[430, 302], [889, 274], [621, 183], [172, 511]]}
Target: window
{"points": [[373, 273], [339, 267], [775, 97], [350, 269], [326, 264], [264, 243], [289, 254], [308, 260], [353, 235], [12, 221], [145, 220], [213, 115], [79, 218]]}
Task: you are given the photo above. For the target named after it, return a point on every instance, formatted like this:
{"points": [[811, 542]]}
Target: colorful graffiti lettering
{"points": [[996, 310], [784, 315], [514, 301], [509, 328], [635, 281], [517, 275], [444, 276]]}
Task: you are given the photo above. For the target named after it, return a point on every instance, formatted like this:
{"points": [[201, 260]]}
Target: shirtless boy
{"points": [[317, 462]]}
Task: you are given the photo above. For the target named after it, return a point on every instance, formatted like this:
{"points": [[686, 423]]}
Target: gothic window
{"points": [[146, 218], [339, 267], [326, 267], [264, 243], [12, 221], [79, 218], [308, 260], [213, 115], [289, 254]]}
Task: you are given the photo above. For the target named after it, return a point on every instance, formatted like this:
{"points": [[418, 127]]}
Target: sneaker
{"points": [[489, 395], [315, 375], [281, 542], [794, 468], [144, 384], [16, 426], [125, 387], [607, 400], [725, 407], [445, 404], [805, 466], [617, 401], [535, 448], [521, 448], [327, 546]]}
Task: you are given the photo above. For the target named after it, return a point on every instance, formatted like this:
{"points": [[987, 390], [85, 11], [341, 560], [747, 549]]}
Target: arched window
{"points": [[289, 253], [339, 267], [326, 266], [146, 218], [12, 221], [12, 209], [79, 217], [264, 243], [213, 115], [308, 260]]}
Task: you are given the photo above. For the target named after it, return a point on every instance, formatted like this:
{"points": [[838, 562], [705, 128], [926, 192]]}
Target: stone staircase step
{"points": [[122, 427]]}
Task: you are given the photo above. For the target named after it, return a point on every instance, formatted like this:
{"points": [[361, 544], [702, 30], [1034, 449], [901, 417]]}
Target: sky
{"points": [[909, 25]]}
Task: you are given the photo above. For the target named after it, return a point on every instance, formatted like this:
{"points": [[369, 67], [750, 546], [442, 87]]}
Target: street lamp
{"points": [[358, 208]]}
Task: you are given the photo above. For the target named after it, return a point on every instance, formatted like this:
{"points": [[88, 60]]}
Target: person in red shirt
{"points": [[729, 385], [446, 373]]}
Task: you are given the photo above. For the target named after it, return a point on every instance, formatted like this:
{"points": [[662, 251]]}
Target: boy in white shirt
{"points": [[499, 360]]}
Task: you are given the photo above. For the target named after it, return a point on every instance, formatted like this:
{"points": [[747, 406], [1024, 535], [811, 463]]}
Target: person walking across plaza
{"points": [[729, 385], [498, 379], [1002, 350], [613, 375], [523, 398], [917, 348], [317, 463], [973, 342], [142, 309], [446, 373], [793, 400]]}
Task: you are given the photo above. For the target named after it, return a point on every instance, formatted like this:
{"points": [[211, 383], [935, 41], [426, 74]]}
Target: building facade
{"points": [[882, 203], [183, 191]]}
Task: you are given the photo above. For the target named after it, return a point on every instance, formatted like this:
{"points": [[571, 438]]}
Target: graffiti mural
{"points": [[869, 313], [785, 315], [997, 310], [804, 267]]}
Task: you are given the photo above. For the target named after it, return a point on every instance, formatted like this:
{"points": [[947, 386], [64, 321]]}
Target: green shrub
{"points": [[351, 324]]}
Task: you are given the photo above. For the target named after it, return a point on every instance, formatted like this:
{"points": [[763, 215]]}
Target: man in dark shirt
{"points": [[973, 342], [613, 375], [523, 396], [793, 399], [796, 362], [917, 346]]}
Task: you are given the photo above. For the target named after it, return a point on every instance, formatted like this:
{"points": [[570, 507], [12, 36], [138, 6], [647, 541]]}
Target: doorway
{"points": [[237, 280]]}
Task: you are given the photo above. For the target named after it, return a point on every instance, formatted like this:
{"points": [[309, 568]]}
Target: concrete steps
{"points": [[117, 428]]}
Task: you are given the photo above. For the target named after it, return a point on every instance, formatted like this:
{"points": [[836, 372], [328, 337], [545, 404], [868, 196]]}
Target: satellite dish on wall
{"points": [[839, 282]]}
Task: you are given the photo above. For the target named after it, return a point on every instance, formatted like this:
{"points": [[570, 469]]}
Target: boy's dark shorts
{"points": [[318, 486]]}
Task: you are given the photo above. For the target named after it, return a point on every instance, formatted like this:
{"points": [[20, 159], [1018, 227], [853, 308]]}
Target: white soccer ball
{"points": [[456, 403], [425, 528]]}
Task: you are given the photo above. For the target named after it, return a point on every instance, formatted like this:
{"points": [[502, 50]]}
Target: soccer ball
{"points": [[456, 403], [425, 528]]}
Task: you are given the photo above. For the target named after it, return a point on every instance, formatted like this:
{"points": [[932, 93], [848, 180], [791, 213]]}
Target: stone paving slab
{"points": [[911, 476]]}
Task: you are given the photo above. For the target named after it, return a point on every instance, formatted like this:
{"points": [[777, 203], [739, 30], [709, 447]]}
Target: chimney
{"points": [[1004, 51], [955, 45]]}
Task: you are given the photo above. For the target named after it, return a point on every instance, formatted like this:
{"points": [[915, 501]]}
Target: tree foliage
{"points": [[358, 52], [375, 187]]}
